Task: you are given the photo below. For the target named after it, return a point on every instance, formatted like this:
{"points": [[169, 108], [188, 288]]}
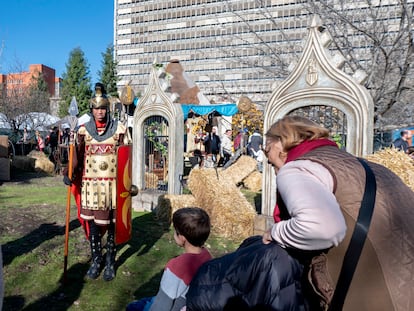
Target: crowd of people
{"points": [[219, 150], [320, 196], [320, 209], [44, 142]]}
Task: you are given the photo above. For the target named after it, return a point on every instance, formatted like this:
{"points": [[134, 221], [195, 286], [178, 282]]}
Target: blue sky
{"points": [[46, 31]]}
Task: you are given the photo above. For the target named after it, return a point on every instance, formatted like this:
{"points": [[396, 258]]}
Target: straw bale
{"points": [[41, 162], [397, 161], [253, 182], [44, 165], [151, 180], [232, 216], [239, 170], [36, 154], [169, 203]]}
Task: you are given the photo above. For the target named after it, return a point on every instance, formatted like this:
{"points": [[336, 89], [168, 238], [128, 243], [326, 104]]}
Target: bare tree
{"points": [[18, 103], [374, 36]]}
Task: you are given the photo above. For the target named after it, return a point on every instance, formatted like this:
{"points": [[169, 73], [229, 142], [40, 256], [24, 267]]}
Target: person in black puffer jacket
{"points": [[254, 277]]}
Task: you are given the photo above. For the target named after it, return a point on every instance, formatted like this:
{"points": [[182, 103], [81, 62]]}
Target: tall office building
{"points": [[228, 48]]}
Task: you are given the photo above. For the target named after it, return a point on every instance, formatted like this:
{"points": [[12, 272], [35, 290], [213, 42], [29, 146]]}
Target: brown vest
{"points": [[384, 277]]}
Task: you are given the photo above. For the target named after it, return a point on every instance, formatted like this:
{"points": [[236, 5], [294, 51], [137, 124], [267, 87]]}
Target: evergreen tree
{"points": [[39, 83], [108, 75], [38, 98], [76, 82]]}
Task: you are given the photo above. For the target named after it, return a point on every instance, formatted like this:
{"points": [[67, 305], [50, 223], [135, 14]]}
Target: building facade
{"points": [[19, 82], [229, 48]]}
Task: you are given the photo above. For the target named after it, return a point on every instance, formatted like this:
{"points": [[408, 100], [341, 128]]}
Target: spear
{"points": [[73, 112]]}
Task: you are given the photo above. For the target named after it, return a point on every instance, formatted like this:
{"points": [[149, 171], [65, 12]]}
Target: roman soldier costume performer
{"points": [[95, 183]]}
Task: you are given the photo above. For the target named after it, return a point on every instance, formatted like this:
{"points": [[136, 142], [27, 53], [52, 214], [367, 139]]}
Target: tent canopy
{"points": [[4, 122], [227, 110]]}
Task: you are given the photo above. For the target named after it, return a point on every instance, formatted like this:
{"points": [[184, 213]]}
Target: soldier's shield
{"points": [[123, 224]]}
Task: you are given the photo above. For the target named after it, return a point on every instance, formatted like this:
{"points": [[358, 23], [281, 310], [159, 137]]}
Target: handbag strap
{"points": [[357, 240]]}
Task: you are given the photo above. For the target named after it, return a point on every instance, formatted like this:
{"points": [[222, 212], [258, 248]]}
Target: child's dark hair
{"points": [[193, 223]]}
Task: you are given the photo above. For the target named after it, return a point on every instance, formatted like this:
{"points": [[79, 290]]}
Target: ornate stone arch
{"points": [[156, 102], [317, 79]]}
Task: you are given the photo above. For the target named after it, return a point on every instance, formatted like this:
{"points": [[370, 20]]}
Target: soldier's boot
{"points": [[96, 250], [109, 272]]}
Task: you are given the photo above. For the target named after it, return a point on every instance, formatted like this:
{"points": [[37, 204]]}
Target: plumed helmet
{"points": [[100, 100]]}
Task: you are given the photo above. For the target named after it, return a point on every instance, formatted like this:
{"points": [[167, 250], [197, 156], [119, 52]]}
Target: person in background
{"points": [[319, 194], [401, 143], [95, 180], [23, 141], [52, 142], [212, 145], [198, 159], [40, 142], [66, 136], [255, 141], [25, 138], [226, 146], [53, 139], [259, 156], [192, 229], [240, 141]]}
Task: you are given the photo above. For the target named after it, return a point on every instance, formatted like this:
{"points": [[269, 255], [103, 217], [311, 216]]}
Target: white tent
{"points": [[4, 123], [40, 121], [66, 121], [84, 118]]}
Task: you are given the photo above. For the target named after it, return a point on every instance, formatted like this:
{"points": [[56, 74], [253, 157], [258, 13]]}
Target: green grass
{"points": [[31, 194], [32, 238]]}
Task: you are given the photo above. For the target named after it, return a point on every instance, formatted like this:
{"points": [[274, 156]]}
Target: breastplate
{"points": [[100, 160]]}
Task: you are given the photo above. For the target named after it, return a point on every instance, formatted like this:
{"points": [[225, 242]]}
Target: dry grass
{"points": [[253, 182], [398, 162], [232, 216]]}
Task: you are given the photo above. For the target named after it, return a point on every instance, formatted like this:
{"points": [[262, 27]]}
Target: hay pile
{"points": [[216, 191], [239, 170], [232, 216], [42, 163], [253, 182], [398, 162], [151, 180], [169, 203], [34, 161]]}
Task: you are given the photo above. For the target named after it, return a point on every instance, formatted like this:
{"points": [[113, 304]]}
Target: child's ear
{"points": [[182, 240]]}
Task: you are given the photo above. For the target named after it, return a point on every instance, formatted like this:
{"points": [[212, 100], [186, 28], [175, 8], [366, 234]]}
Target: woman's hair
{"points": [[193, 223], [292, 130]]}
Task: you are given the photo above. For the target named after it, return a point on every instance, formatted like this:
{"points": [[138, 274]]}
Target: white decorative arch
{"points": [[318, 80], [155, 102]]}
